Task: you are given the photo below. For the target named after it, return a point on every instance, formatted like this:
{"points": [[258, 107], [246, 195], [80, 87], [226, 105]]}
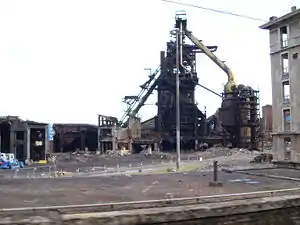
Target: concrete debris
{"points": [[262, 158], [156, 155], [52, 159], [217, 152], [203, 146], [61, 173], [79, 152], [117, 153]]}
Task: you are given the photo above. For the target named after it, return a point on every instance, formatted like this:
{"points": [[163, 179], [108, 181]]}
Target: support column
{"points": [[278, 148], [295, 154], [61, 140], [82, 140], [130, 145], [28, 142], [46, 149], [156, 147], [12, 144], [114, 138], [98, 141]]}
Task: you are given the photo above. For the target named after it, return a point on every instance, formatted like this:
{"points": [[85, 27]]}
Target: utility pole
{"points": [[177, 101]]}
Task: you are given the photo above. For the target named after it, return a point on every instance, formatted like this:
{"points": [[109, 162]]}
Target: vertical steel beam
{"points": [[215, 171]]}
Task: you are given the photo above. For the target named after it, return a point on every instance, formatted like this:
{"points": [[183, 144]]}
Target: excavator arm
{"points": [[230, 85]]}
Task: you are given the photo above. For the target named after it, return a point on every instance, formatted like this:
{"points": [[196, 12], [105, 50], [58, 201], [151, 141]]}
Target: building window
{"points": [[284, 36], [285, 65], [286, 92], [286, 120]]}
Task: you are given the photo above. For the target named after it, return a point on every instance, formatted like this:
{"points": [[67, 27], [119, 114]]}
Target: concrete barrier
{"points": [[264, 211]]}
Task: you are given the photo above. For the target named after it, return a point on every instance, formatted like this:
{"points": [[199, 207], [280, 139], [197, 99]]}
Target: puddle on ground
{"points": [[245, 180]]}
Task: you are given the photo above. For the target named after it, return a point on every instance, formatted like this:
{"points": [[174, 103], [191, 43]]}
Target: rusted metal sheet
{"points": [[267, 117]]}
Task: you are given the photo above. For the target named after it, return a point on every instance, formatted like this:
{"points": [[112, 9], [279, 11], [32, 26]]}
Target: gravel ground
{"points": [[98, 164], [66, 161], [85, 189], [227, 158], [62, 191]]}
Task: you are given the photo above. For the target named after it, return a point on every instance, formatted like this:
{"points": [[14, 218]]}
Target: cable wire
{"points": [[215, 10]]}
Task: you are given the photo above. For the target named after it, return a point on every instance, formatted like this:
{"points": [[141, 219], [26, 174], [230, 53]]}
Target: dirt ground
{"points": [[80, 190], [84, 164], [71, 162], [26, 187]]}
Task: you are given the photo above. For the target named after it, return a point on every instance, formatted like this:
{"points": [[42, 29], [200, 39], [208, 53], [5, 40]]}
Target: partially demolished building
{"points": [[26, 139]]}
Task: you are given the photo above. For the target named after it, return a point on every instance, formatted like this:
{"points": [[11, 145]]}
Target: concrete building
{"points": [[285, 72], [26, 139]]}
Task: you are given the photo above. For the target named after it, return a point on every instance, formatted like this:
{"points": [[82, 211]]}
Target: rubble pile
{"points": [[77, 156], [223, 151], [155, 155], [116, 153], [263, 158]]}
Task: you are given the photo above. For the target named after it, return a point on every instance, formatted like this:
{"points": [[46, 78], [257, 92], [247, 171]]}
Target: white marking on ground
{"points": [[150, 186]]}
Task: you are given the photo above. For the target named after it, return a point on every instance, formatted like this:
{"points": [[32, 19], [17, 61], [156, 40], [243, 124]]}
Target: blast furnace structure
{"points": [[236, 122]]}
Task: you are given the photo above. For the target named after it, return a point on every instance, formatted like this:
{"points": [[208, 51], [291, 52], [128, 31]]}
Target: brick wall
{"points": [[265, 211]]}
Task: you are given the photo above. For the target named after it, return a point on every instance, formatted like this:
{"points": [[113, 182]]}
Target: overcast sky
{"points": [[68, 60]]}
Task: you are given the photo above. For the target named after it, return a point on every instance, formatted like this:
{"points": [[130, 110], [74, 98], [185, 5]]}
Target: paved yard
{"points": [[80, 190]]}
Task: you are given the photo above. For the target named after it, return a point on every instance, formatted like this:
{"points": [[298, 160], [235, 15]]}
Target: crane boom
{"points": [[230, 85], [139, 100]]}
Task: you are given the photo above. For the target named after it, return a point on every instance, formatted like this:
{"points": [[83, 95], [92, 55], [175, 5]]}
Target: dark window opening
{"points": [[284, 37], [295, 55], [285, 65]]}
